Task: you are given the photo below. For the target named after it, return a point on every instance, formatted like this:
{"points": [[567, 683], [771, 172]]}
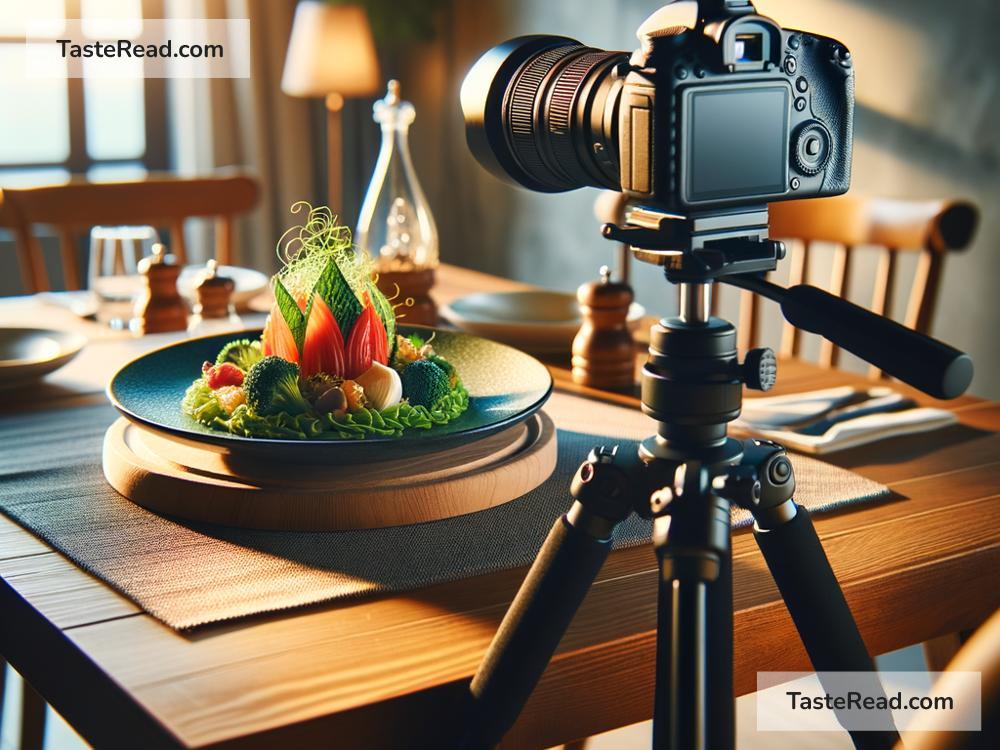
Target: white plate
{"points": [[542, 321], [249, 283], [27, 354]]}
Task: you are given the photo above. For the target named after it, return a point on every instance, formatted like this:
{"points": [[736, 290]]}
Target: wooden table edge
{"points": [[58, 654]]}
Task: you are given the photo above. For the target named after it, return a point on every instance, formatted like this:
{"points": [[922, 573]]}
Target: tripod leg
{"points": [[802, 572], [720, 656], [532, 628], [715, 651], [607, 488], [693, 707]]}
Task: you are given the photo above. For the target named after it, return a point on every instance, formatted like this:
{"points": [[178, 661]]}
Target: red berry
{"points": [[225, 374]]}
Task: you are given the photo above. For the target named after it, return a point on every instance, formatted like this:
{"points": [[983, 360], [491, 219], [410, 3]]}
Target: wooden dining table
{"points": [[390, 671]]}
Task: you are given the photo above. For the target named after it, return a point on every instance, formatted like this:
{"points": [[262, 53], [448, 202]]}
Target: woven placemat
{"points": [[189, 574]]}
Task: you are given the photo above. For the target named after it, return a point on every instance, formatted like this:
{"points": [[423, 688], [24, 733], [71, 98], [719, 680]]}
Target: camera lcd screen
{"points": [[736, 142]]}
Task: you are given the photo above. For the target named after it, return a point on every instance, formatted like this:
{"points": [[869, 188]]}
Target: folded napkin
{"points": [[777, 417]]}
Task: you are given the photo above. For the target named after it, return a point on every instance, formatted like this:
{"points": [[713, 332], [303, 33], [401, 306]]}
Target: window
{"points": [[106, 128]]}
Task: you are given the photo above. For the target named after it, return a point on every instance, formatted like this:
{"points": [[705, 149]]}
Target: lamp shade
{"points": [[330, 51]]}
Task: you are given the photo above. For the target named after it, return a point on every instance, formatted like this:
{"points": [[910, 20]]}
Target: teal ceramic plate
{"points": [[505, 386]]}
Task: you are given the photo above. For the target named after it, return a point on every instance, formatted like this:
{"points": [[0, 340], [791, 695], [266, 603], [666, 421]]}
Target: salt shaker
{"points": [[603, 350], [214, 311], [160, 307]]}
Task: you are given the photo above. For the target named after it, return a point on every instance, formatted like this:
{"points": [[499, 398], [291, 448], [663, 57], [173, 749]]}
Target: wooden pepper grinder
{"points": [[214, 311], [160, 307], [603, 351]]}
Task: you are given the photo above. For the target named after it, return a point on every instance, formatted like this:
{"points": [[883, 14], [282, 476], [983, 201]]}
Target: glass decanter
{"points": [[396, 225]]}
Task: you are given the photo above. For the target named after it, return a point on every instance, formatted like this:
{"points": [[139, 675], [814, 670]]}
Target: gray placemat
{"points": [[188, 574]]}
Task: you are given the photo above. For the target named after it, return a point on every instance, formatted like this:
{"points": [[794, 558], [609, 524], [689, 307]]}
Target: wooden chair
{"points": [[931, 228], [10, 219], [161, 201]]}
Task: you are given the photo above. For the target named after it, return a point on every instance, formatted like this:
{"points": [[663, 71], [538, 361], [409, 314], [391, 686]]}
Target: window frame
{"points": [[78, 162]]}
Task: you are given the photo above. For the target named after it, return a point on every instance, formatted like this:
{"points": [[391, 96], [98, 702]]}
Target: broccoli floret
{"points": [[272, 386], [448, 368], [243, 353], [424, 383]]}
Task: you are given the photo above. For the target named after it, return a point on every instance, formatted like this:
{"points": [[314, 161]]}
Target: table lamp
{"points": [[331, 54]]}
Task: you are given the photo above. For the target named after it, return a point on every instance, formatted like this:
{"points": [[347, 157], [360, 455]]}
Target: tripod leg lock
{"points": [[762, 483], [607, 487], [691, 528]]}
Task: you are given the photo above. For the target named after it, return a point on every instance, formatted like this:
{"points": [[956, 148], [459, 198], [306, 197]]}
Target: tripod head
{"points": [[734, 248]]}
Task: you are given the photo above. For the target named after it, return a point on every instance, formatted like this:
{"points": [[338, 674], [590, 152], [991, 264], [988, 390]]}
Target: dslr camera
{"points": [[719, 108]]}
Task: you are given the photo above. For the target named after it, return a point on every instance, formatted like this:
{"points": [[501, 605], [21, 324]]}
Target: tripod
{"points": [[686, 477]]}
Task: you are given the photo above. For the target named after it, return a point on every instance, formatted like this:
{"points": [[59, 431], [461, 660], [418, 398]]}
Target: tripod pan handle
{"points": [[925, 363]]}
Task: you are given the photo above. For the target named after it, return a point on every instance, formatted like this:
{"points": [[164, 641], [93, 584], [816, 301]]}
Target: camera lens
{"points": [[543, 111]]}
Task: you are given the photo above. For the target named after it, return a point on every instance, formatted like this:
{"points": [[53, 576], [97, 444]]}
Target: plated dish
{"points": [[505, 387], [333, 375], [330, 362]]}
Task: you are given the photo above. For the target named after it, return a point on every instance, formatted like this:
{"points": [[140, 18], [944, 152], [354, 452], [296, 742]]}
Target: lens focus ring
{"points": [[560, 111], [521, 109]]}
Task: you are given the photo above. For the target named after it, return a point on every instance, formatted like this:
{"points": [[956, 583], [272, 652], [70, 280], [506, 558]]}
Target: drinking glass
{"points": [[113, 276]]}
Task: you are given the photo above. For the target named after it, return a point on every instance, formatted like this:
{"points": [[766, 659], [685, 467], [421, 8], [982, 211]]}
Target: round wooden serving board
{"points": [[200, 483]]}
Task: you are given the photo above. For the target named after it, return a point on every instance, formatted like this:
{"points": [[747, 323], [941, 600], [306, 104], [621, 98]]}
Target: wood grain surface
{"points": [[187, 480], [390, 671]]}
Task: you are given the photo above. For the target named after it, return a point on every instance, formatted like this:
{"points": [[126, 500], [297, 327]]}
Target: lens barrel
{"points": [[543, 111]]}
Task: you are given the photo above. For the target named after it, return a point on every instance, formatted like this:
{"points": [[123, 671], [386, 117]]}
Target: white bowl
{"points": [[540, 321], [27, 354]]}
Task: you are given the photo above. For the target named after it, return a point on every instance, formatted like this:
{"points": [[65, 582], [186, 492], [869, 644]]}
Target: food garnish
{"points": [[225, 374], [425, 383], [330, 362], [382, 386], [243, 353], [229, 397], [272, 386]]}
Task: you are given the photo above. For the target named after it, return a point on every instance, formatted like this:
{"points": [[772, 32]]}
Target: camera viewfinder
{"points": [[749, 47]]}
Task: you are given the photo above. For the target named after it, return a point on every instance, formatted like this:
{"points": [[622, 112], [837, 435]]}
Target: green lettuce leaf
{"points": [[384, 309], [200, 403], [290, 312], [333, 288]]}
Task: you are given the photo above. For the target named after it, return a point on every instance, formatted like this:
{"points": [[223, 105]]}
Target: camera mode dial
{"points": [[812, 146]]}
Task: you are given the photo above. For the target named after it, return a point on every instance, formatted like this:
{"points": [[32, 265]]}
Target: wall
{"points": [[928, 104]]}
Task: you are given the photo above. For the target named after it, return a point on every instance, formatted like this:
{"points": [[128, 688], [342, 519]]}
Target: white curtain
{"points": [[249, 124]]}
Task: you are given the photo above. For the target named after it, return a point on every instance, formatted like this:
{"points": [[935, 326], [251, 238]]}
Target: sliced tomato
{"points": [[359, 344], [220, 376], [278, 338], [323, 346]]}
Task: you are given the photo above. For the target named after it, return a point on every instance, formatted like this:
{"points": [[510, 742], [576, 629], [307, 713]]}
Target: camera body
{"points": [[733, 111], [718, 108]]}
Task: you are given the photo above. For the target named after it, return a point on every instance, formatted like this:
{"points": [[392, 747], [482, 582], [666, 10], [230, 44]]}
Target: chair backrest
{"points": [[930, 228], [11, 220], [159, 200]]}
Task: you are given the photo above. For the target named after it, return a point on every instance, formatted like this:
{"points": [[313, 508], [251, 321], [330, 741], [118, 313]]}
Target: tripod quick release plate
{"points": [[699, 248]]}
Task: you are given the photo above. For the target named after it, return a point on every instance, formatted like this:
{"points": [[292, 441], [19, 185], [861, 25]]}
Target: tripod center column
{"points": [[695, 302]]}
